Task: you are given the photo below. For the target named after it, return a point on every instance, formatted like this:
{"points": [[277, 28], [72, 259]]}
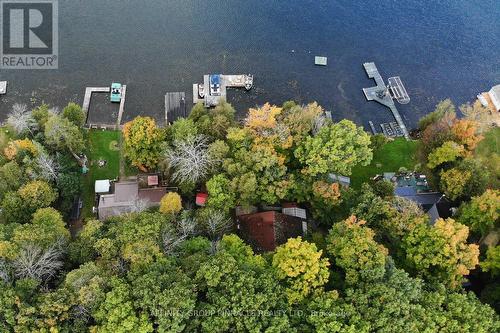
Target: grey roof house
{"points": [[127, 197]]}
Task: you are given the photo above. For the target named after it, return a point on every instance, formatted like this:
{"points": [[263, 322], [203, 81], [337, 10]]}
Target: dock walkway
{"points": [[175, 106], [381, 94], [88, 96], [122, 106]]}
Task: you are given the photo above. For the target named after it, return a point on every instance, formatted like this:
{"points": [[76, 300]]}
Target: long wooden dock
{"points": [[122, 106], [175, 106], [381, 94]]}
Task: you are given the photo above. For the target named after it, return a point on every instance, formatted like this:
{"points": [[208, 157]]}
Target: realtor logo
{"points": [[29, 34]]}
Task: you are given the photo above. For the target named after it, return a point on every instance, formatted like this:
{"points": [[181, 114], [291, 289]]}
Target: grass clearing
{"points": [[103, 145], [488, 153], [388, 158]]}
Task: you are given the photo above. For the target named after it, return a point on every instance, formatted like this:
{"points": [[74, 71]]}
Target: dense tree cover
{"points": [[440, 252], [380, 268], [123, 279], [482, 213], [267, 159], [446, 150], [38, 165]]}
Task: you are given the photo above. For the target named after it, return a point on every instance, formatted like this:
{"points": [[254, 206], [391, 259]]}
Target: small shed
{"points": [[153, 180], [201, 198], [102, 186]]}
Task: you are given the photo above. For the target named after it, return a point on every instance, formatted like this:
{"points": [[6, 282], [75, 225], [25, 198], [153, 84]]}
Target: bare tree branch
{"points": [[190, 159], [4, 271], [35, 263], [47, 167], [20, 118]]}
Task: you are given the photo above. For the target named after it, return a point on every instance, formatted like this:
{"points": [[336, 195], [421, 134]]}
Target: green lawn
{"points": [[103, 145], [389, 158], [488, 152]]}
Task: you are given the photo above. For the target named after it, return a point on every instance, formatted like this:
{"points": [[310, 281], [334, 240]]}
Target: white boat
{"points": [[483, 100]]}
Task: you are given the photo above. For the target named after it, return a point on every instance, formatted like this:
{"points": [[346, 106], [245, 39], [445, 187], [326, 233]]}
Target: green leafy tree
{"points": [[440, 253], [299, 264], [328, 313], [240, 292], [74, 113], [466, 180], [481, 214], [37, 194], [220, 195], [11, 177], [335, 149], [61, 133], [46, 228], [215, 122], [166, 294], [448, 152], [118, 314], [182, 129], [443, 107], [41, 114], [352, 248], [492, 261]]}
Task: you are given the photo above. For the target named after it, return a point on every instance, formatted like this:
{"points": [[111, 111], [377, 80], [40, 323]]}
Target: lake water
{"points": [[447, 48]]}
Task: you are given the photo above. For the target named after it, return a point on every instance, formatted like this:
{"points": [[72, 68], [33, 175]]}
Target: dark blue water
{"points": [[448, 48]]}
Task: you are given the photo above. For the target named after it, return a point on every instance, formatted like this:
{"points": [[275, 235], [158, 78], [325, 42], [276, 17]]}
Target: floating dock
{"points": [[211, 97], [3, 87], [320, 61], [175, 106], [382, 94]]}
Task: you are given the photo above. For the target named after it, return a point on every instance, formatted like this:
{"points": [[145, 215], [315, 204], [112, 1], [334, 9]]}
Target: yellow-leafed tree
{"points": [[171, 203], [300, 265]]}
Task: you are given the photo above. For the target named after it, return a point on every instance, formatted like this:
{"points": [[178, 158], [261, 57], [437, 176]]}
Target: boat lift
{"points": [[398, 90]]}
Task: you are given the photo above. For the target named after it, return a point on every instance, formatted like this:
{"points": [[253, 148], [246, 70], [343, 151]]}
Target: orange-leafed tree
{"points": [[143, 142]]}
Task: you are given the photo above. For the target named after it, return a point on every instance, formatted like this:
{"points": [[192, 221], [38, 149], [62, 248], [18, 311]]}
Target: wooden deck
{"points": [[175, 106], [88, 95], [122, 105], [380, 93]]}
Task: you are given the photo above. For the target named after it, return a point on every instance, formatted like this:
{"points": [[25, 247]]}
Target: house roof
{"points": [[153, 195], [295, 211], [266, 230], [126, 191], [125, 196]]}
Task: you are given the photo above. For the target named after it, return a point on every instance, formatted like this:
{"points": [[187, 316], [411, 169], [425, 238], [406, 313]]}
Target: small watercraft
{"points": [[116, 93]]}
